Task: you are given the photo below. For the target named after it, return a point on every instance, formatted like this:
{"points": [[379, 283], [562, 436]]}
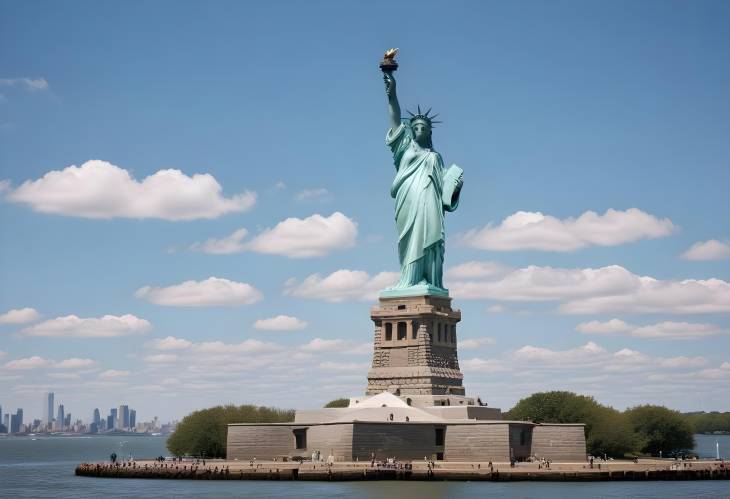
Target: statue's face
{"points": [[421, 132]]}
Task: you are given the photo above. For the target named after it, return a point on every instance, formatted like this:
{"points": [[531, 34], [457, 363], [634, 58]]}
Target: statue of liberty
{"points": [[423, 190]]}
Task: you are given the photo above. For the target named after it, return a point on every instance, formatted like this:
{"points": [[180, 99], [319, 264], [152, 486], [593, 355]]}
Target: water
{"points": [[44, 467]]}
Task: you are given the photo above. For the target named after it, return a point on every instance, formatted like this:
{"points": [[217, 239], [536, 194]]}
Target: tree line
{"points": [[645, 429], [204, 433], [709, 422]]}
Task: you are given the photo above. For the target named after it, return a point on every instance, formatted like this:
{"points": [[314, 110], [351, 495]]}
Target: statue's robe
{"points": [[419, 208]]}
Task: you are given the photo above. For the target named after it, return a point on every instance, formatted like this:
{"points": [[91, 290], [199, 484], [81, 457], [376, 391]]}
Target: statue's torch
{"points": [[388, 64]]}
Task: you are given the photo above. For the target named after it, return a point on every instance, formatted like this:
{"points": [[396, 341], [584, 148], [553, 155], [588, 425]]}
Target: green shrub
{"points": [[338, 403]]}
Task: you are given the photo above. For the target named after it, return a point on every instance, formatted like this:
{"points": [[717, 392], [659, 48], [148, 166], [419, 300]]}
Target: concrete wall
{"points": [[262, 442], [331, 439], [559, 442], [477, 442], [405, 441], [463, 442]]}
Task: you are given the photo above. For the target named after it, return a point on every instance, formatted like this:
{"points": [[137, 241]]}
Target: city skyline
{"points": [[200, 214], [122, 417]]}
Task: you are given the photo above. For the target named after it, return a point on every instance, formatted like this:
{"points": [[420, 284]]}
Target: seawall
{"points": [[565, 472]]}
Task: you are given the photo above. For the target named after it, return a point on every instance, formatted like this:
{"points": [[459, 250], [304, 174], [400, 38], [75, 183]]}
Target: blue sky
{"points": [[557, 108]]}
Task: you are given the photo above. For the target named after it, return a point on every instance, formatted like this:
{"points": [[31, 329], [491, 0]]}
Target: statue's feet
{"points": [[420, 289]]}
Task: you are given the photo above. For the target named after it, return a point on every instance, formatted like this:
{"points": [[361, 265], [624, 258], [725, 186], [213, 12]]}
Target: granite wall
{"points": [[559, 442]]}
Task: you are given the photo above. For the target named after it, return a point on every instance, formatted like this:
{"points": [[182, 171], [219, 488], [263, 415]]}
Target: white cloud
{"points": [[162, 358], [344, 366], [535, 231], [19, 316], [34, 362], [169, 343], [477, 270], [690, 296], [98, 189], [305, 238], [313, 194], [611, 289], [213, 291], [110, 374], [708, 250], [683, 362], [474, 343], [247, 346], [71, 326], [30, 84], [280, 323], [712, 374], [677, 330], [75, 363], [608, 327], [223, 246], [596, 358], [341, 285], [322, 345], [294, 237], [662, 330], [535, 283], [483, 366], [496, 309], [64, 375], [579, 354]]}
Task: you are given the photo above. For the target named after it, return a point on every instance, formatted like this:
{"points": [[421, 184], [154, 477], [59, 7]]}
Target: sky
{"points": [[195, 207]]}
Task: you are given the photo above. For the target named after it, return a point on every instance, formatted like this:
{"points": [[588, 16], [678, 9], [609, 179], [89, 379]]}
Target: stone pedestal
{"points": [[415, 351]]}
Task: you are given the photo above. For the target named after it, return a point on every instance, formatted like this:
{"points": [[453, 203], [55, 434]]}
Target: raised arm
{"points": [[393, 106]]}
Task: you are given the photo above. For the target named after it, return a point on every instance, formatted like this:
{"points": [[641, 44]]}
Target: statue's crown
{"points": [[423, 116]]}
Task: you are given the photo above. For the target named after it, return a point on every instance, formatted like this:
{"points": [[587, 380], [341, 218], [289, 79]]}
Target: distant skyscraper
{"points": [[67, 421], [113, 414], [109, 422], [132, 418], [123, 416], [97, 416], [61, 418], [16, 421], [6, 422], [48, 413]]}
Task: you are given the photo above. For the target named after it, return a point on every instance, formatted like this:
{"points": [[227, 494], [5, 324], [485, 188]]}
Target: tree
{"points": [[606, 429], [338, 403], [611, 434], [708, 422], [205, 432], [661, 429]]}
